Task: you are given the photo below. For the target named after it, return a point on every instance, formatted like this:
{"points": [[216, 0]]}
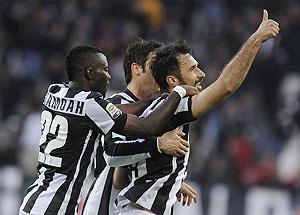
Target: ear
{"points": [[172, 81], [135, 69], [89, 74]]}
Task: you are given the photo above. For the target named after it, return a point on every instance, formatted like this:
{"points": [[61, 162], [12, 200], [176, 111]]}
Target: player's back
{"points": [[72, 123]]}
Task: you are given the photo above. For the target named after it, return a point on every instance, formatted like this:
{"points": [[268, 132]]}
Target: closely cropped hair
{"points": [[137, 52], [165, 63], [81, 58]]}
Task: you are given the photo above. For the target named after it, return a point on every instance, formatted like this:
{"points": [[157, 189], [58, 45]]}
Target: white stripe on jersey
{"points": [[124, 99], [93, 202], [124, 160], [103, 120], [176, 186], [39, 182], [90, 173], [42, 203], [82, 95], [62, 92], [63, 207]]}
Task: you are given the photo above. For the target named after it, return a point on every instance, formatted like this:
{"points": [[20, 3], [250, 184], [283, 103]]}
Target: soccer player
{"points": [[74, 119], [157, 180], [140, 86]]}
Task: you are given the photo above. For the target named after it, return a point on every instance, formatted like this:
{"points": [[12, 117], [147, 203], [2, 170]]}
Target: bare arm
{"points": [[120, 178], [120, 152], [134, 108], [236, 70], [158, 119]]}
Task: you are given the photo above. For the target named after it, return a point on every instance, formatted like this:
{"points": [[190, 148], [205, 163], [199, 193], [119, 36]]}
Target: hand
{"points": [[190, 90], [171, 143], [188, 194], [267, 29]]}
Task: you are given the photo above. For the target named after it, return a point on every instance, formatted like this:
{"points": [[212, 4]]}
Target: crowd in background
{"points": [[252, 139]]}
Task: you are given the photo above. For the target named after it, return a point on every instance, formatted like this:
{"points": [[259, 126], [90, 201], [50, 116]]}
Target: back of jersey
{"points": [[72, 123]]}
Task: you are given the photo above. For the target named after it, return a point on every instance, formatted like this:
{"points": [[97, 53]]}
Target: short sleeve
{"points": [[105, 115], [183, 113]]}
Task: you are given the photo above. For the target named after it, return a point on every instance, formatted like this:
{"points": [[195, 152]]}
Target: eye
{"points": [[192, 68]]}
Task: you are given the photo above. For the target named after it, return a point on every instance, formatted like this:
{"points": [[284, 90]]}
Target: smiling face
{"points": [[189, 71]]}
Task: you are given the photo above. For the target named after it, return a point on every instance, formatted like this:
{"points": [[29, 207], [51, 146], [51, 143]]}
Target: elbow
{"points": [[228, 88]]}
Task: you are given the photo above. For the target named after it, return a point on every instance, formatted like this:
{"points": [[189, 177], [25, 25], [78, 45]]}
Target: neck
{"points": [[139, 92], [82, 86]]}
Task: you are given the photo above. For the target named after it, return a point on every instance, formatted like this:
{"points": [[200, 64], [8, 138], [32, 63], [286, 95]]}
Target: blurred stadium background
{"points": [[245, 153]]}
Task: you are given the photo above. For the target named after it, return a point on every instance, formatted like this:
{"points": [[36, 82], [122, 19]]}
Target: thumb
{"points": [[265, 15], [179, 132]]}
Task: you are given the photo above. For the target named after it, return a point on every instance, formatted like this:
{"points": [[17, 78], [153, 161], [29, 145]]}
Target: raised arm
{"points": [[236, 70]]}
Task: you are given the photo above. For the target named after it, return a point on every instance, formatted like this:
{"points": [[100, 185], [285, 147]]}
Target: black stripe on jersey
{"points": [[94, 95], [135, 192], [72, 92], [100, 161], [104, 204], [182, 117], [159, 204], [82, 173], [58, 198], [31, 201], [31, 188], [128, 92], [113, 148], [55, 89]]}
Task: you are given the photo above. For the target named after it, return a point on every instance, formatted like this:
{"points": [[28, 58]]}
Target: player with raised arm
{"points": [[156, 181]]}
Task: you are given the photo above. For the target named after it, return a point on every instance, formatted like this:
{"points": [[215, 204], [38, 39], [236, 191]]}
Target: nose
{"points": [[200, 73], [108, 76]]}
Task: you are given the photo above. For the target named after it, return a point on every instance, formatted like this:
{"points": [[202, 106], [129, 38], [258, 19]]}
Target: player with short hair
{"points": [[74, 119], [157, 180]]}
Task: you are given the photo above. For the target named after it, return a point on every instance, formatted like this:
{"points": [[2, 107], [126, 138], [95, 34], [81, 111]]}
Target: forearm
{"points": [[230, 79], [120, 178], [154, 122], [135, 108], [236, 70], [125, 152]]}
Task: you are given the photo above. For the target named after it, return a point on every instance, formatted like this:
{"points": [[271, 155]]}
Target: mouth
{"points": [[198, 85]]}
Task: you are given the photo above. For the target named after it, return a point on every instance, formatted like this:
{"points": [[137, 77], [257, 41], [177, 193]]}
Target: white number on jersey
{"points": [[57, 128]]}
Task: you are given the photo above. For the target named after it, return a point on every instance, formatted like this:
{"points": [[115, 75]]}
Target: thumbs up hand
{"points": [[267, 29]]}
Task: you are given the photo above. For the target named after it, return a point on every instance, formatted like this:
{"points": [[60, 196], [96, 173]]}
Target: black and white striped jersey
{"points": [[73, 122], [124, 152], [157, 180]]}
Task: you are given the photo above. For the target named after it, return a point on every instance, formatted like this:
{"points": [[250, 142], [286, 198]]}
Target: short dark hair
{"points": [[166, 63], [137, 52], [81, 58]]}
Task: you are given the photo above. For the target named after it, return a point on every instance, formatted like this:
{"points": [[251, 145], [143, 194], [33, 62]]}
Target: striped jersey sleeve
{"points": [[105, 115]]}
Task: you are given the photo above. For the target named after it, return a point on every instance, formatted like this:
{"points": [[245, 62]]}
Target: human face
{"points": [[101, 75], [189, 71], [150, 86]]}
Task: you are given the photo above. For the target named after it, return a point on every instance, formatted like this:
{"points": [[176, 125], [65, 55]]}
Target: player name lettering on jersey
{"points": [[66, 105]]}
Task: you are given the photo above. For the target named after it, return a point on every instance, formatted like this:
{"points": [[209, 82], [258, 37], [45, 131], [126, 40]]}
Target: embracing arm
{"points": [[134, 108], [236, 70], [120, 152], [158, 119]]}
